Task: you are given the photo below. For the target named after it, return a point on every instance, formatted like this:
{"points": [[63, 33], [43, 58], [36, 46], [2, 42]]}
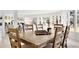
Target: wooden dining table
{"points": [[36, 41]]}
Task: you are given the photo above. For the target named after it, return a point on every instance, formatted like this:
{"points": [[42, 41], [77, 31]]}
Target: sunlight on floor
{"points": [[72, 29]]}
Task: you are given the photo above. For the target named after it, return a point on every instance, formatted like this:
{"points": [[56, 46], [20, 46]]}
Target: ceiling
{"points": [[34, 12], [30, 11]]}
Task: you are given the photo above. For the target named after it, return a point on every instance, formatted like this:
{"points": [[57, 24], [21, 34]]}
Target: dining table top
{"points": [[37, 40]]}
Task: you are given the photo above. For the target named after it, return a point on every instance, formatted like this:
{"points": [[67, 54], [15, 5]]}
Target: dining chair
{"points": [[19, 27], [28, 27], [14, 38], [6, 28], [65, 38], [56, 41], [57, 38], [23, 27], [58, 25], [39, 26]]}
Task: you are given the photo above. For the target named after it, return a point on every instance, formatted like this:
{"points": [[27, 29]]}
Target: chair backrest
{"points": [[57, 39], [21, 27], [59, 27], [6, 27], [39, 26], [65, 36], [29, 27], [14, 38]]}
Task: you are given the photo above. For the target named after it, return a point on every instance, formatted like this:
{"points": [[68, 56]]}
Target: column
{"points": [[75, 20], [15, 19], [68, 17]]}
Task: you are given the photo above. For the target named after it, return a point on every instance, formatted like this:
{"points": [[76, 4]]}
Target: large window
{"points": [[74, 20]]}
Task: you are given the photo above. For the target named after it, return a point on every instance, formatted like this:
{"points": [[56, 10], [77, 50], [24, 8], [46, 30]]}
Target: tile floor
{"points": [[73, 41]]}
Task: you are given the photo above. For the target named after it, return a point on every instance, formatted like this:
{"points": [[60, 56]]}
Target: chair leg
{"points": [[53, 45], [66, 45], [62, 45]]}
